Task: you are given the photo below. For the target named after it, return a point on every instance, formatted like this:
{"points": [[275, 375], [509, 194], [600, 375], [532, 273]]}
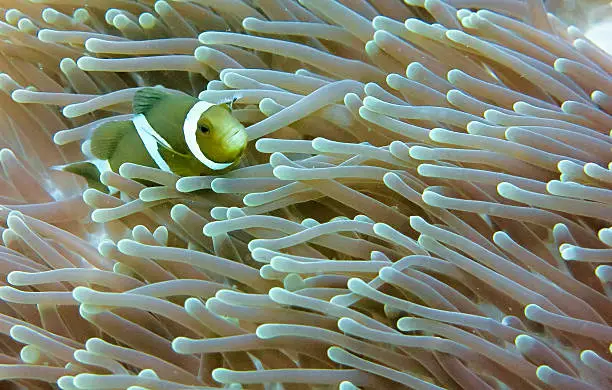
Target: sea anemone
{"points": [[426, 200]]}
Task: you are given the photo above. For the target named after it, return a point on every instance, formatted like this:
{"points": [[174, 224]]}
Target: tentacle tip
{"points": [[544, 373]]}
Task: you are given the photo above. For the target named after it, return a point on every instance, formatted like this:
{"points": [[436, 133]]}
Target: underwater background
{"points": [[425, 200]]}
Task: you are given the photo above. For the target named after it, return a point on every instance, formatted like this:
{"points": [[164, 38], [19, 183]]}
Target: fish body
{"points": [[172, 132]]}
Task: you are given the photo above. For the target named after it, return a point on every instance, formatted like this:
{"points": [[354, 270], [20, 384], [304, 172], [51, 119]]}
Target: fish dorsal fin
{"points": [[146, 98]]}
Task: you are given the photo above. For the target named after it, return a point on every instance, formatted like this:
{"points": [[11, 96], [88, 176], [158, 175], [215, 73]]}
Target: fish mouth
{"points": [[233, 146], [237, 139]]}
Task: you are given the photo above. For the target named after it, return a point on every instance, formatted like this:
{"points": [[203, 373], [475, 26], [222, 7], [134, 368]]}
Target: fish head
{"points": [[220, 136]]}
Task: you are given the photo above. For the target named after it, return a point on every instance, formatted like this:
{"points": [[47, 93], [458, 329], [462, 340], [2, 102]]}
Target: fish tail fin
{"points": [[106, 137], [87, 170]]}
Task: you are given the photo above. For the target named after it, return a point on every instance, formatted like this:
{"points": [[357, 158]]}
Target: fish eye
{"points": [[204, 129]]}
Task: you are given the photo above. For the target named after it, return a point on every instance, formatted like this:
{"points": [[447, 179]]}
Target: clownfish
{"points": [[172, 132]]}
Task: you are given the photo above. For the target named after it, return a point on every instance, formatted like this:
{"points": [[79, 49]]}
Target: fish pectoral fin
{"points": [[107, 136], [180, 164], [89, 172], [146, 98]]}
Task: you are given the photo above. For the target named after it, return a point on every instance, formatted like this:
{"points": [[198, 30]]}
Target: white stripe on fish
{"points": [[151, 140], [190, 128]]}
